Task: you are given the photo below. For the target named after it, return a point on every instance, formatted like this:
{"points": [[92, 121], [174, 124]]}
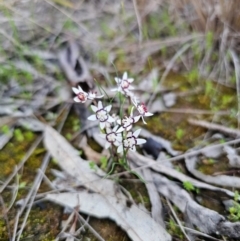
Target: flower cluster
{"points": [[117, 132]]}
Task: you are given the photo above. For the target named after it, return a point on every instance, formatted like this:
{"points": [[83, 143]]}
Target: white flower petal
{"points": [[116, 143], [108, 130], [80, 89], [92, 117], [129, 93], [102, 125], [76, 99], [148, 114], [94, 108], [100, 106], [118, 80], [107, 145], [119, 138], [107, 125], [144, 120], [134, 101], [108, 108], [119, 122], [91, 96], [140, 141], [110, 119], [133, 148], [131, 114], [130, 80], [116, 89], [121, 129], [99, 96], [129, 128], [115, 128], [125, 76], [120, 89], [129, 134], [102, 136], [120, 149], [136, 118], [137, 132], [75, 90]]}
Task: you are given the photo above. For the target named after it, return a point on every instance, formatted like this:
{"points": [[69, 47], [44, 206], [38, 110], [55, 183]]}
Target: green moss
{"points": [[211, 167], [174, 229], [42, 224]]}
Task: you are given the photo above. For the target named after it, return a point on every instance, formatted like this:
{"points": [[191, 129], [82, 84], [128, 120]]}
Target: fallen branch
{"points": [[145, 162], [220, 180], [215, 127]]}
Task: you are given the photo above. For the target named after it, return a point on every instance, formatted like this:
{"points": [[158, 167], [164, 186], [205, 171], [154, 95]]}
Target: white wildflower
{"points": [[113, 137], [127, 122], [124, 85], [142, 109], [130, 142], [101, 114], [81, 95]]}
